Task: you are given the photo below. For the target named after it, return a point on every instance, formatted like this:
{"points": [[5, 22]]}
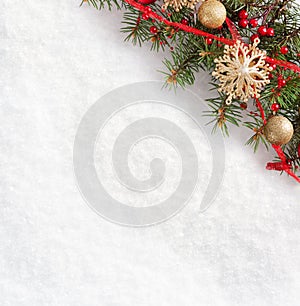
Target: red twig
{"points": [[287, 169], [261, 110]]}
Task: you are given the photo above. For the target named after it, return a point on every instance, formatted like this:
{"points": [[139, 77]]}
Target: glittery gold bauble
{"points": [[278, 130], [212, 14]]}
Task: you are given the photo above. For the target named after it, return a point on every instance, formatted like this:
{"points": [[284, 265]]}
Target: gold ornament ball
{"points": [[212, 14], [278, 130]]}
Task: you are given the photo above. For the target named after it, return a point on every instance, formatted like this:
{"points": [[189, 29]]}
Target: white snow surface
{"points": [[56, 60]]}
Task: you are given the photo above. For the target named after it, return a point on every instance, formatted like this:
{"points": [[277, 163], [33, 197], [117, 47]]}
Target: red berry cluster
{"points": [[281, 82], [243, 22], [261, 31], [264, 31], [145, 15]]}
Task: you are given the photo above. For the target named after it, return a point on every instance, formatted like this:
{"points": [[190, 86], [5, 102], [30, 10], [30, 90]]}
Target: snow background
{"points": [[56, 60]]}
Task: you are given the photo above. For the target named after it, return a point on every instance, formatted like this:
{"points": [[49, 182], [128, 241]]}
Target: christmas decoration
{"points": [[212, 14], [278, 130], [259, 85], [242, 71]]}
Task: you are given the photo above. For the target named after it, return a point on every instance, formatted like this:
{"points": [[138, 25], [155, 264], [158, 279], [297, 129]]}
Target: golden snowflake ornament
{"points": [[177, 5], [242, 71]]}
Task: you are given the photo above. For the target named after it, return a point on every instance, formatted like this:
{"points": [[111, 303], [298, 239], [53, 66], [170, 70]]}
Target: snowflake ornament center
{"points": [[242, 71]]}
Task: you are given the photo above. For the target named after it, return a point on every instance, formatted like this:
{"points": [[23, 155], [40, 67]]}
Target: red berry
{"points": [[243, 14], [148, 9], [253, 22], [208, 41], [273, 66], [243, 105], [153, 29], [284, 50], [253, 37], [275, 107], [270, 32], [262, 30], [280, 83], [184, 21], [145, 16], [243, 23], [271, 76]]}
